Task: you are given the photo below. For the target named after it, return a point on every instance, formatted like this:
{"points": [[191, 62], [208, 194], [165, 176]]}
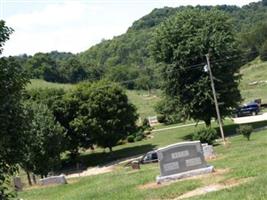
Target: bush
{"points": [[139, 135], [169, 112], [130, 138], [138, 138], [245, 130], [145, 123], [206, 135], [161, 118]]}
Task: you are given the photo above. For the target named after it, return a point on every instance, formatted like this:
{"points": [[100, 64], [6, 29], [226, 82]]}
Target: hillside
{"points": [[253, 84], [131, 49], [127, 57]]}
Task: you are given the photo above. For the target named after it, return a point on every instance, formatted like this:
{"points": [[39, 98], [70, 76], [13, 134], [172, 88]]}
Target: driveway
{"points": [[250, 119]]}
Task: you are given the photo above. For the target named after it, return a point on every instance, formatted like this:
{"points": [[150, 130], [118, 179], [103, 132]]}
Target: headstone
{"points": [[135, 165], [53, 180], [208, 151], [153, 121], [182, 160], [17, 183]]}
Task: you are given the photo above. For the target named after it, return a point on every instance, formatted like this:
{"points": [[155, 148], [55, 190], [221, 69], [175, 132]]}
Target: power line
{"points": [[191, 67]]}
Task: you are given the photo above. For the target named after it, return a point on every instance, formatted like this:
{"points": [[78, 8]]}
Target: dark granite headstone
{"points": [[177, 159]]}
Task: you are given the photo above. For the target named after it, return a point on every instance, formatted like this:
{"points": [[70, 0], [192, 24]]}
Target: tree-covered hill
{"points": [[127, 57], [130, 51]]}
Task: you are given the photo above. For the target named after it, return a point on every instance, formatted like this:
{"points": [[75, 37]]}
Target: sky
{"points": [[75, 25]]}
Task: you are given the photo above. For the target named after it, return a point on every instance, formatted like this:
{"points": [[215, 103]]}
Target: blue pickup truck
{"points": [[248, 109]]}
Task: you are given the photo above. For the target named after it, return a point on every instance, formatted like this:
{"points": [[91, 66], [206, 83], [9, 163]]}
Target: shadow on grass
{"points": [[105, 158]]}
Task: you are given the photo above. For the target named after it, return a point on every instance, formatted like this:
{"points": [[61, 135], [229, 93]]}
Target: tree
{"points": [[182, 42], [105, 113], [263, 52], [64, 107], [46, 140], [4, 34], [12, 123], [170, 112], [254, 41], [42, 66], [72, 71]]}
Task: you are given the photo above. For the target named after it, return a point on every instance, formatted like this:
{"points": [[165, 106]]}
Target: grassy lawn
{"points": [[38, 83], [254, 71], [144, 102], [241, 158]]}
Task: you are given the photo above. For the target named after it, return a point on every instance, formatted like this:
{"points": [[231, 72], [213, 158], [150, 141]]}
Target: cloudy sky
{"points": [[75, 25]]}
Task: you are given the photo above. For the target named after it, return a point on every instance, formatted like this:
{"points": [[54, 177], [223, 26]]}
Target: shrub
{"points": [[139, 135], [145, 124], [138, 138], [161, 118], [245, 130], [206, 135], [168, 111], [130, 138]]}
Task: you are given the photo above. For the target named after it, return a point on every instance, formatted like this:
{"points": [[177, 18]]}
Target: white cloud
{"points": [[75, 25], [70, 26]]}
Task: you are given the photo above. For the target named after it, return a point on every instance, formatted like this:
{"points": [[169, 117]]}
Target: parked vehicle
{"points": [[248, 109], [149, 157]]}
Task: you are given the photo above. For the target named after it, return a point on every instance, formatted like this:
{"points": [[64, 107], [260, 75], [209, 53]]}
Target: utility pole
{"points": [[215, 98]]}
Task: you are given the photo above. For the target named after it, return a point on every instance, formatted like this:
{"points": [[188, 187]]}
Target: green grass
{"points": [[243, 159], [38, 83], [144, 102], [254, 71]]}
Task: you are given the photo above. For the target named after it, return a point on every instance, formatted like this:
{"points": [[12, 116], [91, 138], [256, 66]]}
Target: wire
{"points": [[197, 66]]}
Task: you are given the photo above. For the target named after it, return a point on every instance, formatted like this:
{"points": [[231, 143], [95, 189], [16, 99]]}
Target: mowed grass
{"points": [[39, 84], [144, 102], [252, 72], [241, 158]]}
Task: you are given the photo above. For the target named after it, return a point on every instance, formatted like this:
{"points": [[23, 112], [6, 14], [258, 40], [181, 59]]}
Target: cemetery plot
{"points": [[182, 160]]}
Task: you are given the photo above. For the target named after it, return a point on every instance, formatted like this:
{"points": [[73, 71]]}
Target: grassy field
{"points": [[239, 159], [38, 83], [144, 102], [253, 72]]}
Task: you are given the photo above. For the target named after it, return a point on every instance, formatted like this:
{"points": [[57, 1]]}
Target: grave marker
{"points": [[53, 180], [182, 160], [153, 121]]}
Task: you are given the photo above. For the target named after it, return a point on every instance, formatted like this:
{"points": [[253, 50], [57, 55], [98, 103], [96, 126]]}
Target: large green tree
{"points": [[182, 42], [45, 140], [12, 123], [105, 112]]}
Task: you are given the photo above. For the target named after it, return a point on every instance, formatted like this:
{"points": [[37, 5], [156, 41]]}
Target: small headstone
{"points": [[208, 151], [153, 121], [182, 160], [135, 165], [53, 180], [17, 183]]}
